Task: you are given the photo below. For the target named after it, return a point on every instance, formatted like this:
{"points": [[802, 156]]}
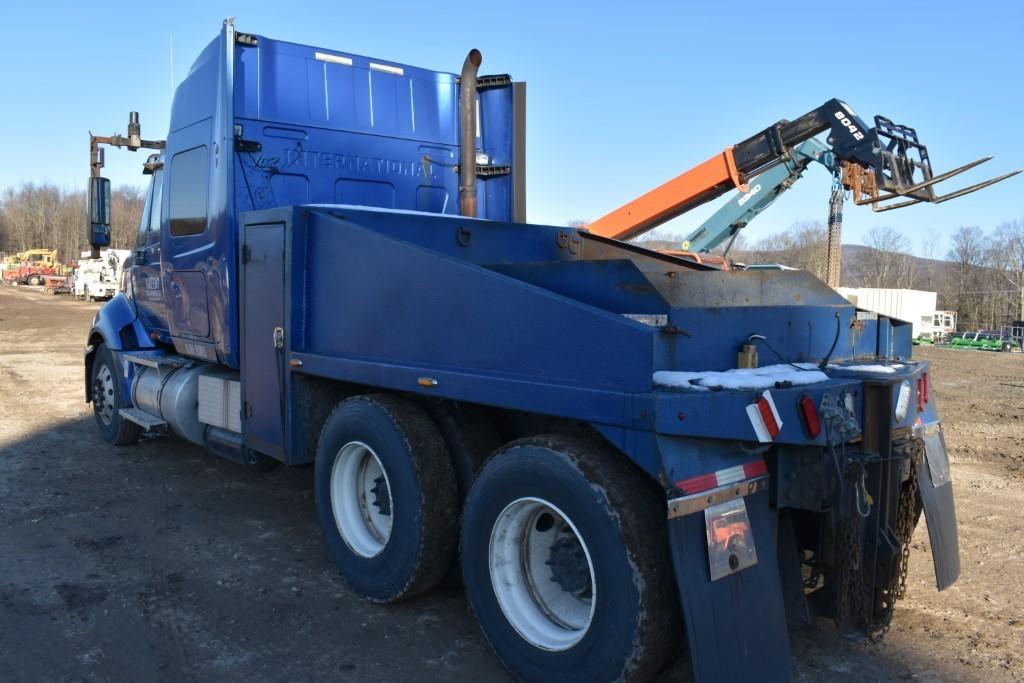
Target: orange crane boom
{"points": [[700, 184], [879, 163]]}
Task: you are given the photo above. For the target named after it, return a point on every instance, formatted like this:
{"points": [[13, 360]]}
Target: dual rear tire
{"points": [[563, 542], [386, 497], [565, 561]]}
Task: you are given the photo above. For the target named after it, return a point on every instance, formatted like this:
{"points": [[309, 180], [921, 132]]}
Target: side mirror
{"points": [[99, 212]]}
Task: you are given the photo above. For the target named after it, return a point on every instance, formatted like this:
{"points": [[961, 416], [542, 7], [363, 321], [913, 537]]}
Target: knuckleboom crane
{"points": [[743, 207], [885, 166], [762, 192], [99, 191]]}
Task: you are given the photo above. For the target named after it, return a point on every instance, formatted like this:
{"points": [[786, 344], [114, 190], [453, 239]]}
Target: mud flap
{"points": [[936, 488], [735, 626]]}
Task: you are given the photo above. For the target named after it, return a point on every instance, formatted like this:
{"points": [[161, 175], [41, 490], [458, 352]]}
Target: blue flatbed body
{"points": [[393, 299]]}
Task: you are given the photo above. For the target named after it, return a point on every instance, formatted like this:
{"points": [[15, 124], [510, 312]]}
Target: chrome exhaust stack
{"points": [[467, 133]]}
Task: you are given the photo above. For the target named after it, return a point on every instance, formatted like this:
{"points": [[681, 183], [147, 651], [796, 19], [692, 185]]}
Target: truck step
{"points": [[155, 359], [142, 418]]}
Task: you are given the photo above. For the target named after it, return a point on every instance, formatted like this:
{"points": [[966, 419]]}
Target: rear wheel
{"points": [[386, 497], [107, 400], [34, 280], [565, 561]]}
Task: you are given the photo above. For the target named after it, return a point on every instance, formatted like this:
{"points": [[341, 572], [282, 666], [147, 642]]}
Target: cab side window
{"points": [[189, 188]]}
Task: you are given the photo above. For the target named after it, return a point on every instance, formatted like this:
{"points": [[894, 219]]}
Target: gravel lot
{"points": [[159, 561]]}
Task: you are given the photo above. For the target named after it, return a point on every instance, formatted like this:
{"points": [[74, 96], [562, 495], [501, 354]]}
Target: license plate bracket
{"points": [[730, 538]]}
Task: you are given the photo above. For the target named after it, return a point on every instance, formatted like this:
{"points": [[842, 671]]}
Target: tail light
{"points": [[922, 391], [767, 411], [809, 415]]}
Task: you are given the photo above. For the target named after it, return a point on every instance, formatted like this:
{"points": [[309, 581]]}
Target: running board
{"points": [[142, 418], [158, 360]]}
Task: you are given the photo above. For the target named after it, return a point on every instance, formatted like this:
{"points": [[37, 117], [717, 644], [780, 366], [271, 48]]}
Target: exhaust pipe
{"points": [[467, 136]]}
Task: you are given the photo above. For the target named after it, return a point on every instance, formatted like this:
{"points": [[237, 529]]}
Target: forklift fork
{"points": [[904, 170]]}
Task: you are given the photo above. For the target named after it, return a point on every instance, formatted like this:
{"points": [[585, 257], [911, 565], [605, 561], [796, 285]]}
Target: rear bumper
{"points": [[737, 623]]}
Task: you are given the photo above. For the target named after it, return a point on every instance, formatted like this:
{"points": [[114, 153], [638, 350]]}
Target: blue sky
{"points": [[622, 95]]}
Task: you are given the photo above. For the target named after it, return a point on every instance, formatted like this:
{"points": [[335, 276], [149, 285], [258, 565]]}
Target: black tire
{"points": [[635, 626], [115, 429], [422, 501], [34, 281], [471, 436]]}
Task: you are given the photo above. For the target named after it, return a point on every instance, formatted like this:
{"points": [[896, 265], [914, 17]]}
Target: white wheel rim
{"points": [[361, 499], [103, 394], [542, 574]]}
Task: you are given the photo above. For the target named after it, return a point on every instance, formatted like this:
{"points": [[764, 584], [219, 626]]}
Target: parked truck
{"points": [[99, 279], [333, 268], [31, 267]]}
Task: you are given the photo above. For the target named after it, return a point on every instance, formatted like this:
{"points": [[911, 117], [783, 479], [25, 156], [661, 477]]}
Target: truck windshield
{"points": [[149, 226]]}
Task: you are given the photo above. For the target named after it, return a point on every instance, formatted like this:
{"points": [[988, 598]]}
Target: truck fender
{"points": [[117, 326]]}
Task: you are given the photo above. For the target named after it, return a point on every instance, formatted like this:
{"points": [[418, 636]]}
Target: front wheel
{"points": [[565, 561], [107, 400]]}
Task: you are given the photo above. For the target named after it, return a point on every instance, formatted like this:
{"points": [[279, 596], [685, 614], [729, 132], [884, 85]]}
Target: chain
{"points": [[849, 577], [835, 232], [854, 597], [907, 517]]}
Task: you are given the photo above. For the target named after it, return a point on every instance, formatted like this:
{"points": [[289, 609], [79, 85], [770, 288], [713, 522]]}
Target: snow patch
{"points": [[753, 379], [873, 369]]}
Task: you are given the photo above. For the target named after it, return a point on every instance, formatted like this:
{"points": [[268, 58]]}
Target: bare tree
{"points": [[967, 256], [889, 264], [47, 217], [1009, 250], [803, 246]]}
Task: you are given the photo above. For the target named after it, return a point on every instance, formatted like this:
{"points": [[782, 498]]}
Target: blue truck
{"points": [[332, 269]]}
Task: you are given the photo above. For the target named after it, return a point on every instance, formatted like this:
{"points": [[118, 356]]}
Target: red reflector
{"points": [[754, 469], [809, 413], [698, 484], [922, 392], [768, 415], [927, 386]]}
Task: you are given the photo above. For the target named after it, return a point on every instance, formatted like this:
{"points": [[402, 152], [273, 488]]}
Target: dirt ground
{"points": [[159, 561]]}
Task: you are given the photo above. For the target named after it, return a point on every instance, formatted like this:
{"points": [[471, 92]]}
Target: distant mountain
{"points": [[915, 272], [925, 269]]}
